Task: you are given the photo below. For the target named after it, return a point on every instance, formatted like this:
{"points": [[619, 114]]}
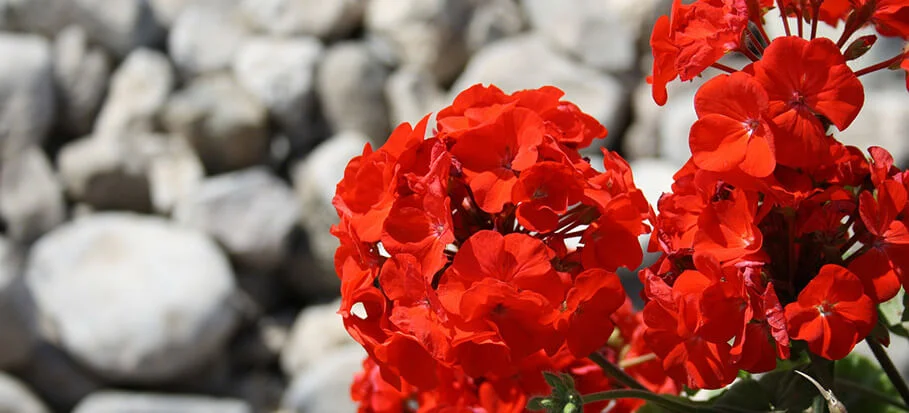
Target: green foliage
{"points": [[862, 386], [894, 315]]}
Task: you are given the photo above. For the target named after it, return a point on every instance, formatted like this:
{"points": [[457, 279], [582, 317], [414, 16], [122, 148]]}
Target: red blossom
{"points": [[832, 313]]}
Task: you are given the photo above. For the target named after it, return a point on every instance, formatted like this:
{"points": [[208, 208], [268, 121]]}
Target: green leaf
{"points": [[554, 381], [746, 394], [536, 403], [787, 391], [862, 386], [894, 315]]}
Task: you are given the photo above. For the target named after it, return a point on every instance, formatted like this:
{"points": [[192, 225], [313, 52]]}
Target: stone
{"points": [[674, 123], [205, 36], [226, 125], [174, 171], [258, 346], [324, 19], [883, 122], [45, 17], [31, 198], [411, 95], [81, 72], [15, 397], [57, 378], [653, 176], [506, 64], [17, 336], [262, 389], [110, 401], [351, 87], [138, 90], [166, 11], [317, 331], [429, 34], [602, 34], [314, 180], [120, 26], [280, 73], [103, 173], [104, 286], [27, 101], [325, 386], [493, 20], [249, 212], [641, 139]]}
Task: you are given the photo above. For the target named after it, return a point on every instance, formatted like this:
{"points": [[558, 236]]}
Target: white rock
{"points": [[493, 20], [104, 173], [675, 121], [653, 177], [81, 73], [317, 332], [249, 212], [135, 299], [225, 124], [31, 198], [120, 402], [325, 386], [205, 36], [527, 62], [120, 26], [351, 86], [601, 33], [166, 11], [15, 397], [27, 102], [174, 172], [45, 17], [883, 122], [315, 179], [280, 73], [429, 34], [17, 337], [325, 19], [138, 89], [641, 139], [411, 94]]}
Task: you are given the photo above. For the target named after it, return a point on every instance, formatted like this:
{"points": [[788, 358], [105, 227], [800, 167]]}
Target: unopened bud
{"points": [[859, 47]]}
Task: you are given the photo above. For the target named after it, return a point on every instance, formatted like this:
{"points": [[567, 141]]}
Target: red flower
{"points": [[695, 37], [673, 332], [543, 193], [492, 154], [596, 294], [879, 266], [727, 229], [890, 17], [664, 56], [804, 79], [832, 313], [732, 130]]}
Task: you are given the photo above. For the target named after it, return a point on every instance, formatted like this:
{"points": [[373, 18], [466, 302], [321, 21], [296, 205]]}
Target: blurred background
{"points": [[167, 169]]}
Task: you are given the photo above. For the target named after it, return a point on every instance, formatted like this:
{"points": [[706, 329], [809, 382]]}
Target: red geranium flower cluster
{"points": [[775, 233], [456, 275]]}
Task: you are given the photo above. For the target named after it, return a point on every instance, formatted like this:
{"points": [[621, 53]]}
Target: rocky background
{"points": [[167, 166]]}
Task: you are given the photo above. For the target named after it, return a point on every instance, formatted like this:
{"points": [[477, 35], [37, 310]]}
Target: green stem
{"points": [[616, 373], [871, 393], [654, 398], [887, 365]]}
